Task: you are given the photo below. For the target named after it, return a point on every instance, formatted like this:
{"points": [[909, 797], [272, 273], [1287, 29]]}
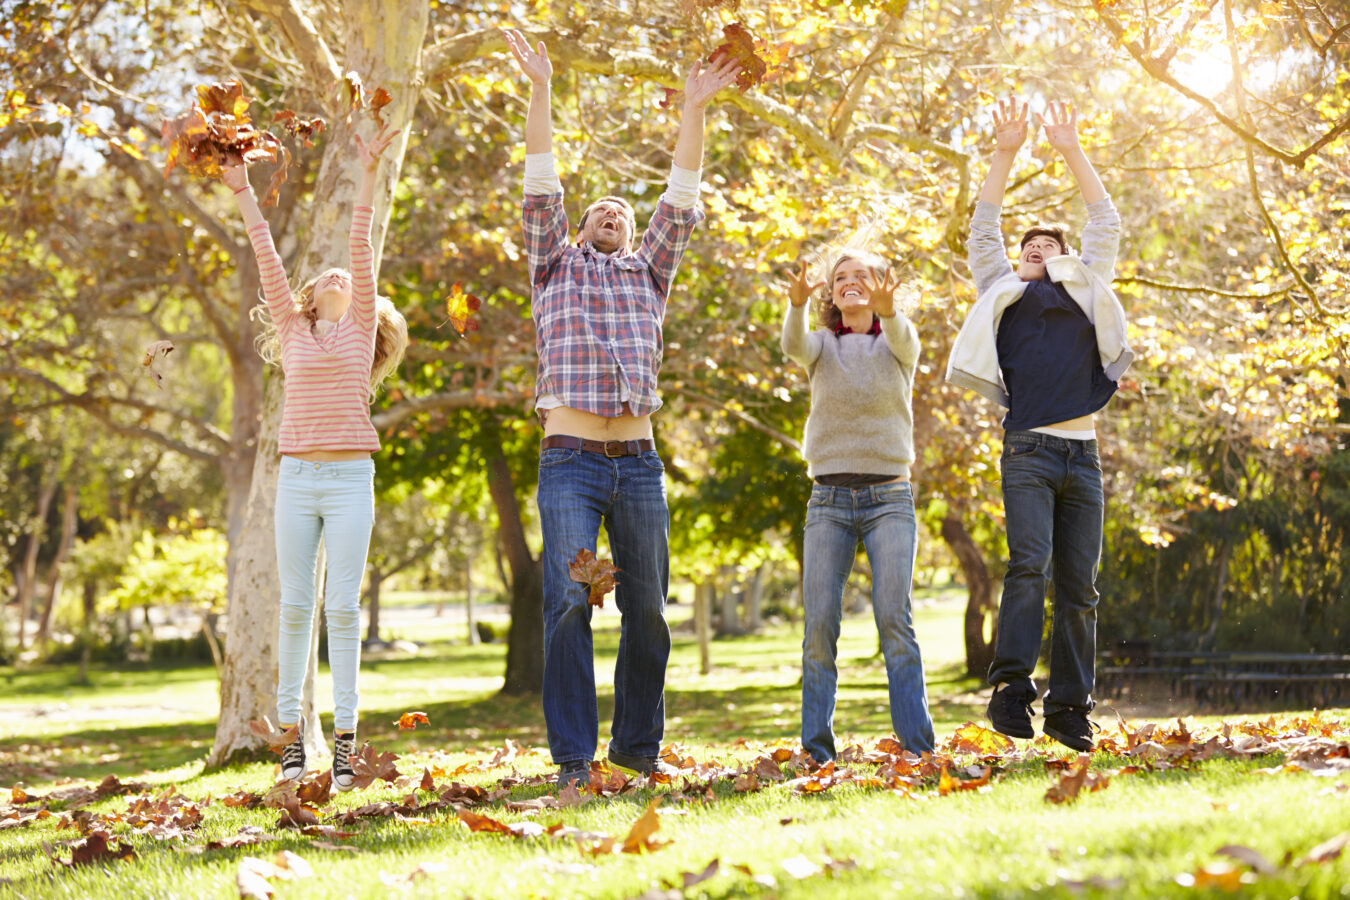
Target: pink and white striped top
{"points": [[327, 402]]}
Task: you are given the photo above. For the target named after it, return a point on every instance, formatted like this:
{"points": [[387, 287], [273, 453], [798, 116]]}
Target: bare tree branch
{"points": [[740, 414], [304, 39]]}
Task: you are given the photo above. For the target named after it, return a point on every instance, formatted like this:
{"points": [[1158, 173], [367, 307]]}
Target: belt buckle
{"points": [[620, 445]]}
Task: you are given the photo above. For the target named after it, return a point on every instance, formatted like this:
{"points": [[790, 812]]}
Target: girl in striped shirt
{"points": [[336, 341]]}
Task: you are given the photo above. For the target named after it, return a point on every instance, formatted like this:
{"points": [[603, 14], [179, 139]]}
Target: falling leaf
{"points": [[153, 354], [460, 307], [296, 125], [597, 574], [410, 720], [740, 45], [639, 837], [276, 740], [368, 765]]}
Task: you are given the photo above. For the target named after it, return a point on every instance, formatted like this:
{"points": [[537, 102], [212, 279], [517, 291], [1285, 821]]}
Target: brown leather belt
{"points": [[608, 448]]}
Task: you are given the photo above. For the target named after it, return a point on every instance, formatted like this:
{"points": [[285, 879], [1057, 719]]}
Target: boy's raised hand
{"points": [[533, 63], [1010, 125], [1061, 129]]}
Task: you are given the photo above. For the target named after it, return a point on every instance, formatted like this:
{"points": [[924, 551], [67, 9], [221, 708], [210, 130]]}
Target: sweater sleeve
{"points": [[276, 292], [988, 257], [799, 344], [1101, 239], [902, 338], [362, 255]]}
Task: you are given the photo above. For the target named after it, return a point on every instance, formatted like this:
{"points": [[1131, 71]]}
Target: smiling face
{"points": [[608, 225], [850, 286]]}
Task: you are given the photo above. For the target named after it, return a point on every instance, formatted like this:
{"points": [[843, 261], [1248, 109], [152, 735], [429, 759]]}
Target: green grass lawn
{"points": [[1154, 833]]}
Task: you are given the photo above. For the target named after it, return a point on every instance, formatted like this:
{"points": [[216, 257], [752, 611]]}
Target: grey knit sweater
{"points": [[861, 417]]}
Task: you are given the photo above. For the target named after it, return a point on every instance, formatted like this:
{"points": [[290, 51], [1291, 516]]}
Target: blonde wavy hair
{"points": [[391, 333], [827, 314]]}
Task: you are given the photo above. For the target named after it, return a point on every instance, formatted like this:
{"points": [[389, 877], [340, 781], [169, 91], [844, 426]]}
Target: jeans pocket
{"points": [[555, 456], [652, 460], [1019, 450]]}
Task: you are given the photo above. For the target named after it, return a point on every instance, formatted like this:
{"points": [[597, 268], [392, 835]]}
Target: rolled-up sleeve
{"points": [[545, 223], [666, 239]]}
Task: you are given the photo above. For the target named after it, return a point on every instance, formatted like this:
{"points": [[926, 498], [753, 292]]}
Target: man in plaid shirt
{"points": [[598, 308]]}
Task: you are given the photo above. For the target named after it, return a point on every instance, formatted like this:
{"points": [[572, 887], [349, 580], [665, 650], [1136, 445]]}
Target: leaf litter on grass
{"points": [[973, 759]]}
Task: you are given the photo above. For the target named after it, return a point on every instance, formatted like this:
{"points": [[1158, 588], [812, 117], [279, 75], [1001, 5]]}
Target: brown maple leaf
{"points": [[276, 740], [296, 125], [478, 822], [1067, 789], [370, 765], [639, 838], [597, 574], [317, 791], [740, 45], [98, 847]]}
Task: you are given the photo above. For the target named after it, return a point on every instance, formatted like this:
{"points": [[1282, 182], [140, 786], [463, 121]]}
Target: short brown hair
{"points": [[1053, 230]]}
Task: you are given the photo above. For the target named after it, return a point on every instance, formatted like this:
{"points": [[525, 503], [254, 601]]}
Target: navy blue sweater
{"points": [[1047, 350]]}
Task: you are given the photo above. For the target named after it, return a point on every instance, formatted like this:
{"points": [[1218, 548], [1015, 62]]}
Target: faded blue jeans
{"points": [[335, 501], [882, 517], [578, 492], [1052, 494]]}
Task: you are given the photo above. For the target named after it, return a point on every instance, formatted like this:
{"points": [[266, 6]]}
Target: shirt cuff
{"points": [[682, 189], [541, 177]]}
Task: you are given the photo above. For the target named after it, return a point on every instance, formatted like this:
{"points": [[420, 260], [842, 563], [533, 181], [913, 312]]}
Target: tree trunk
{"points": [[28, 586], [248, 678], [727, 624], [981, 614], [753, 600], [702, 613], [525, 641], [384, 44], [472, 637], [373, 593], [1225, 553], [69, 520], [90, 595]]}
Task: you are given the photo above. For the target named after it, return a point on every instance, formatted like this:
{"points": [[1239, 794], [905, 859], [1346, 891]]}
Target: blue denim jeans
{"points": [[882, 517], [1052, 494], [335, 500], [578, 492]]}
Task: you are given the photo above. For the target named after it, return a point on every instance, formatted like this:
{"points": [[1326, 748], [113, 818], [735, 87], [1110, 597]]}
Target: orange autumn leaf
{"points": [[460, 307], [972, 738], [1072, 784], [369, 765], [597, 574], [154, 353], [218, 132], [410, 720], [276, 740], [639, 837], [740, 45]]}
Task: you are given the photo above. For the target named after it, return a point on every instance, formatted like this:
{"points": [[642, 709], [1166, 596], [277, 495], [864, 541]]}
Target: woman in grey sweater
{"points": [[859, 446]]}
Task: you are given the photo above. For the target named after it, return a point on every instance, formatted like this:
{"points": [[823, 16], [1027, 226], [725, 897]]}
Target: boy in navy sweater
{"points": [[1047, 341]]}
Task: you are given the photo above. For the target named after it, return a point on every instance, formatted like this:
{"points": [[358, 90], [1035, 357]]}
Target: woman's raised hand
{"points": [[882, 299], [1061, 129], [371, 153], [235, 177], [1010, 125], [534, 63], [800, 287]]}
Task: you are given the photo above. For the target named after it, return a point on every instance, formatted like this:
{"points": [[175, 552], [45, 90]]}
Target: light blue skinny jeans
{"points": [[335, 501], [882, 517]]}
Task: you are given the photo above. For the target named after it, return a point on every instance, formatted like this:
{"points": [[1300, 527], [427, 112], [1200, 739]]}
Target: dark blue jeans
{"points": [[1052, 494], [882, 518], [578, 492]]}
